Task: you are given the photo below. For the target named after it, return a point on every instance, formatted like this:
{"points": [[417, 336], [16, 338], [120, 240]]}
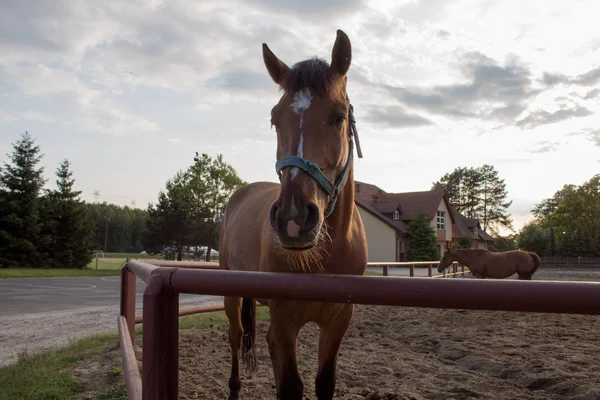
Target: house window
{"points": [[396, 215], [441, 220]]}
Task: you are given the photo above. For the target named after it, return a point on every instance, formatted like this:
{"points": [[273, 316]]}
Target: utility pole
{"points": [[106, 232]]}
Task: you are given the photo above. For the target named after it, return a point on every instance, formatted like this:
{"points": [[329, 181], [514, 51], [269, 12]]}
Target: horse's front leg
{"points": [[330, 340], [282, 338]]}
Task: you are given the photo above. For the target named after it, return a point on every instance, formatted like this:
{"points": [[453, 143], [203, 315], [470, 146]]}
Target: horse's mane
{"points": [[314, 73]]}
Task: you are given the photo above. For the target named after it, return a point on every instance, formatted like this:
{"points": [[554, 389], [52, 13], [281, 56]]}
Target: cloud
{"points": [[594, 136], [546, 147], [315, 9], [491, 91], [542, 117], [443, 34], [592, 94], [590, 78], [394, 116], [241, 80]]}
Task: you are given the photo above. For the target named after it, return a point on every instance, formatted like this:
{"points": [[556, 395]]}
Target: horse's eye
{"points": [[340, 120]]}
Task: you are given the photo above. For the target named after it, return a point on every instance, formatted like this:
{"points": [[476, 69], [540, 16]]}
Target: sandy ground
{"points": [[409, 353]]}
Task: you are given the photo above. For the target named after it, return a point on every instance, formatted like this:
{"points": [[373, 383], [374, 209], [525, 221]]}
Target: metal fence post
{"points": [[429, 272], [160, 358], [385, 270], [412, 270]]}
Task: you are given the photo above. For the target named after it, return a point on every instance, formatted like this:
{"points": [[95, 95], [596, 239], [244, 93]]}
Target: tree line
{"points": [[55, 228], [40, 228], [566, 224]]}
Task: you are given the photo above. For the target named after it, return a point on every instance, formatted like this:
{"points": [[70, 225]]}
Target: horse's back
{"points": [[514, 261], [243, 225]]}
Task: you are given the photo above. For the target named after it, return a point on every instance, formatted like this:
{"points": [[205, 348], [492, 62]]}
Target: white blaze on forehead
{"points": [[301, 103], [302, 100]]}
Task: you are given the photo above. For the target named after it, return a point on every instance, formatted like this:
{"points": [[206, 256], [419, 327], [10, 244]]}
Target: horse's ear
{"points": [[277, 68], [341, 56]]}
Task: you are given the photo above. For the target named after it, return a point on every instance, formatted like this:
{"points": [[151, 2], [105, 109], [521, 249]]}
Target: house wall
{"points": [[448, 230], [381, 239], [404, 243]]}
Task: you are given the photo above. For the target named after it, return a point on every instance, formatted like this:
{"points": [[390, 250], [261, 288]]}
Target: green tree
{"points": [[170, 221], [464, 242], [123, 227], [423, 245], [189, 212], [493, 205], [504, 243], [211, 182], [479, 193], [462, 188], [532, 238], [20, 184], [67, 233], [546, 207]]}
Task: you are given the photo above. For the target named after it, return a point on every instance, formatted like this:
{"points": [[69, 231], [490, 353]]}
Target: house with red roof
{"points": [[386, 217]]}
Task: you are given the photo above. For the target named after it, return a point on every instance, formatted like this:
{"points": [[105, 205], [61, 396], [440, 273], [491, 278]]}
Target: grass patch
{"points": [[372, 273], [48, 375], [107, 263], [55, 273], [129, 255]]}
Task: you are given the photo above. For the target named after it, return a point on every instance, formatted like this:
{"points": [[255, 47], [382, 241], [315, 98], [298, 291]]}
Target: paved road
{"points": [[37, 295], [38, 313]]}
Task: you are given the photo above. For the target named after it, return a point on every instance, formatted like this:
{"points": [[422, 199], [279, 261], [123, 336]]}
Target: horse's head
{"points": [[446, 261], [314, 146]]}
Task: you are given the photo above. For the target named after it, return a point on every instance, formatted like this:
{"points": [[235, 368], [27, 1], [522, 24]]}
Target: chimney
{"points": [[377, 197]]}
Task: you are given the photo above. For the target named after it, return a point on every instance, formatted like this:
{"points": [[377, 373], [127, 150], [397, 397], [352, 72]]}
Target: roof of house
{"points": [[365, 201], [382, 205]]}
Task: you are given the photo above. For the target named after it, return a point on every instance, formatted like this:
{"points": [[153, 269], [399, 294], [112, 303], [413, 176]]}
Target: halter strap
{"points": [[315, 172]]}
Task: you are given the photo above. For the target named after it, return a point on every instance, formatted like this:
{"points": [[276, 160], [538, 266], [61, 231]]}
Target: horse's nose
{"points": [[312, 217], [293, 224]]}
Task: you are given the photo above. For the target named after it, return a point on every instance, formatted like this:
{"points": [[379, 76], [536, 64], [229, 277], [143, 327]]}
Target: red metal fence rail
{"points": [[159, 378]]}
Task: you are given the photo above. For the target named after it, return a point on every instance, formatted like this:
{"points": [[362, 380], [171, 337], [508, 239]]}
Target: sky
{"points": [[129, 91]]}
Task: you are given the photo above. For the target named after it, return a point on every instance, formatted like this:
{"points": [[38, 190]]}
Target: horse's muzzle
{"points": [[296, 232]]}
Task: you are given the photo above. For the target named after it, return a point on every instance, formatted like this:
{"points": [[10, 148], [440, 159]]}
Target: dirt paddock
{"points": [[411, 353]]}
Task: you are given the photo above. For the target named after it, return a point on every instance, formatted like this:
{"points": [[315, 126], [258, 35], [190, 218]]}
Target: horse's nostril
{"points": [[273, 214], [312, 216]]}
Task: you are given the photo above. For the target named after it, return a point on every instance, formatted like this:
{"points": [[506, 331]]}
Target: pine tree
{"points": [[66, 231], [20, 185], [423, 243], [492, 207], [479, 193]]}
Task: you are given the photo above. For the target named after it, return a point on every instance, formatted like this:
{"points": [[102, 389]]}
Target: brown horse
{"points": [[306, 224], [487, 264]]}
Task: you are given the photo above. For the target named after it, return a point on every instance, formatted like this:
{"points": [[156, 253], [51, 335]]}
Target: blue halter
{"points": [[332, 189]]}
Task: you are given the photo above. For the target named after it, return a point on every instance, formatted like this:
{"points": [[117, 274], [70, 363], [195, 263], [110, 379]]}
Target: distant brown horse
{"points": [[487, 264], [306, 224]]}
